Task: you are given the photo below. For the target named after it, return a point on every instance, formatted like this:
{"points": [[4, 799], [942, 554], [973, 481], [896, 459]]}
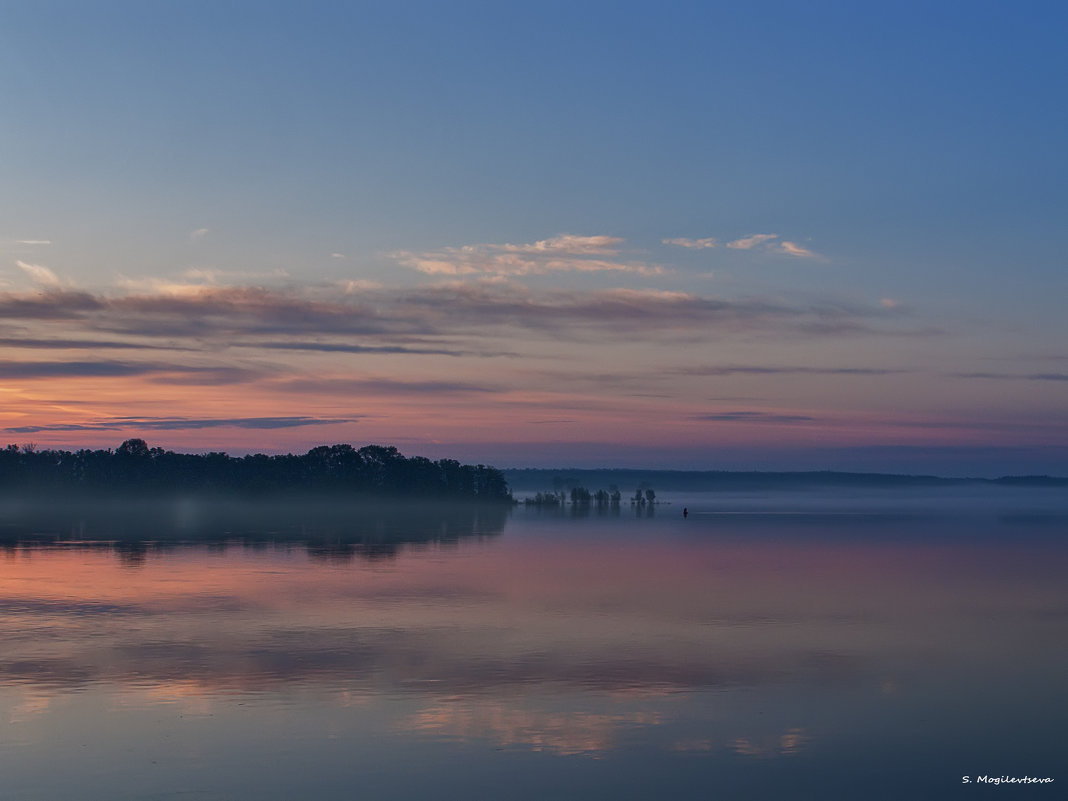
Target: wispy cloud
{"points": [[751, 369], [793, 249], [215, 276], [104, 368], [199, 233], [383, 386], [83, 344], [1015, 376], [752, 241], [567, 244], [181, 424], [227, 314], [196, 280], [771, 243], [214, 333], [342, 347], [69, 369], [564, 253], [458, 262], [352, 286], [214, 376], [49, 305], [752, 417], [630, 311], [692, 244], [40, 274], [33, 241]]}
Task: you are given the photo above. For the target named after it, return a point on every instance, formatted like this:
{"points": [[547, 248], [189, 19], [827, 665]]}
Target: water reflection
{"points": [[329, 529], [787, 744], [825, 647], [514, 725]]}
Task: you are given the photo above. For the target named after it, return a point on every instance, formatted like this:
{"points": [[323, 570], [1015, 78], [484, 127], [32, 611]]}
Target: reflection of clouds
{"points": [[411, 660], [346, 699], [521, 727], [570, 648], [46, 672], [191, 696], [34, 704], [793, 741], [248, 618], [789, 743], [701, 744], [39, 607], [64, 606], [746, 747]]}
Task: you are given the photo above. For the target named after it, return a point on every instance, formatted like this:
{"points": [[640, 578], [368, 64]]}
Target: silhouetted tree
{"points": [[135, 448], [580, 496]]}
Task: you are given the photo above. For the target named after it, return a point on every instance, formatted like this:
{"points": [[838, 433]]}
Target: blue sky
{"points": [[901, 168]]}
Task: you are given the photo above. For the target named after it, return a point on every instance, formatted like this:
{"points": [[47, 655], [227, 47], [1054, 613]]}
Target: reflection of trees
{"points": [[641, 510], [572, 510], [131, 554], [328, 529]]}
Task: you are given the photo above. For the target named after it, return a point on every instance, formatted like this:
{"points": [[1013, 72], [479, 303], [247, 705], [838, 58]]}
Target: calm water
{"points": [[816, 646]]}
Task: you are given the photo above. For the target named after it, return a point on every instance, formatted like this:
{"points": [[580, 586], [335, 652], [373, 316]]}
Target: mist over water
{"points": [[876, 644]]}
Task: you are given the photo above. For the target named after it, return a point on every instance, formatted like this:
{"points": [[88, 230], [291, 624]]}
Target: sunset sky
{"points": [[683, 235]]}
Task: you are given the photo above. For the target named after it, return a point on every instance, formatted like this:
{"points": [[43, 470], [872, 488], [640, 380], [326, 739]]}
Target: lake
{"points": [[792, 645]]}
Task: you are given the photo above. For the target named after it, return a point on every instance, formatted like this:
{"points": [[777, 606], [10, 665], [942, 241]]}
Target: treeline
{"points": [[134, 466]]}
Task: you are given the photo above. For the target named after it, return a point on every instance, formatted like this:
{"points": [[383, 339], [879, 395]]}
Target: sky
{"points": [[676, 235]]}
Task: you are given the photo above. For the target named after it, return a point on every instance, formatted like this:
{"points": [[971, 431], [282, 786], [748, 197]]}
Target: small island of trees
{"points": [[373, 470], [581, 498]]}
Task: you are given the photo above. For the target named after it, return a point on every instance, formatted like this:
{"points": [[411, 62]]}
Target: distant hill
{"points": [[537, 479]]}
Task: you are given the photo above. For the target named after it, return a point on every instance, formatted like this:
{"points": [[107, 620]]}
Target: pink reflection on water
{"points": [[623, 632]]}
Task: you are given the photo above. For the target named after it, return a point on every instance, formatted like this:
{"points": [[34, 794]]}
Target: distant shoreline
{"points": [[710, 480]]}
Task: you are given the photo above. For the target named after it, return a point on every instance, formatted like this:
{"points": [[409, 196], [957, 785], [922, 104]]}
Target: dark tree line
{"points": [[134, 466], [580, 496]]}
